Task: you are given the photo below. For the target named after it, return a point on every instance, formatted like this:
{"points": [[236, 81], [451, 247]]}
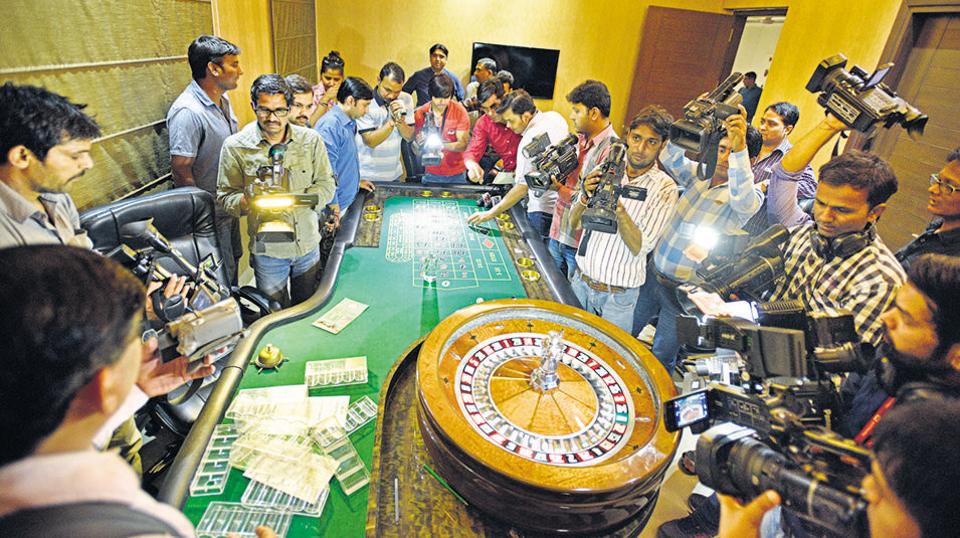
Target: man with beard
{"points": [[387, 123], [613, 266]]}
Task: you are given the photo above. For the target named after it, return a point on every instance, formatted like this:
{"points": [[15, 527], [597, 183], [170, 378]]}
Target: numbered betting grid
{"points": [[434, 237]]}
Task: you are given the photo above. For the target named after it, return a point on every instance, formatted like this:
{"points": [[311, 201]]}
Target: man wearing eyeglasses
{"points": [[308, 171], [942, 236]]}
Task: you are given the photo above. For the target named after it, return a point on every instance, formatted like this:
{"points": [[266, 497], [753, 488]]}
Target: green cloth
{"points": [[308, 169], [401, 311]]}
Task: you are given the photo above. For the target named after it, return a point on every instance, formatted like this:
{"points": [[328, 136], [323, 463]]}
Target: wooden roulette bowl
{"points": [[585, 456]]}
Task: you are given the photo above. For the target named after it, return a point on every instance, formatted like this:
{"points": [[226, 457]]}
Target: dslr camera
{"points": [[558, 160], [601, 212], [272, 200], [701, 127], [861, 100]]}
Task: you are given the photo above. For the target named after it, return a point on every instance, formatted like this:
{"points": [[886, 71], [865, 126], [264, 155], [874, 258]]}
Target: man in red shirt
{"points": [[450, 119], [490, 130]]}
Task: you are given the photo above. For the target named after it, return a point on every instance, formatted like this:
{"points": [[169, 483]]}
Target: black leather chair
{"points": [[185, 216]]}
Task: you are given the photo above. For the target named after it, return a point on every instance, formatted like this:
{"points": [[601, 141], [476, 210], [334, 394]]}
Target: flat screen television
{"points": [[534, 70]]}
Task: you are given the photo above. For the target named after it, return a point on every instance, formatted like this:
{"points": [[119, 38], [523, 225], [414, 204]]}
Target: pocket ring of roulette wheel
{"points": [[545, 416]]}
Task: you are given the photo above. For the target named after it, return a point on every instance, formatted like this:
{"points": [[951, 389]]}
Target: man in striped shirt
{"points": [[724, 203], [612, 267]]}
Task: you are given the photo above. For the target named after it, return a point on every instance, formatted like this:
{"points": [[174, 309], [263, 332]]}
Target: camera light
{"points": [[433, 141], [706, 237], [273, 202]]}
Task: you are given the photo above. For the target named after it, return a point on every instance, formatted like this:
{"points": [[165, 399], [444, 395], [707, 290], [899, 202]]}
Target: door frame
{"points": [[900, 43]]}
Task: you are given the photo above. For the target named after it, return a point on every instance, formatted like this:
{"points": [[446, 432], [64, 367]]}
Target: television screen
{"points": [[534, 70]]}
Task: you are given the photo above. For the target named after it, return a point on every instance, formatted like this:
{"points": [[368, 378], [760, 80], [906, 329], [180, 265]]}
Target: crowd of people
{"points": [[67, 388]]}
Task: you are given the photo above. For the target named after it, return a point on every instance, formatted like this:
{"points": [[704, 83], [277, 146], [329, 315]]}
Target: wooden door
{"points": [[682, 54], [931, 82]]}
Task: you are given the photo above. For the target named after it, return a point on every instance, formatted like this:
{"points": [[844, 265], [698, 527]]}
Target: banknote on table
{"points": [[340, 316]]}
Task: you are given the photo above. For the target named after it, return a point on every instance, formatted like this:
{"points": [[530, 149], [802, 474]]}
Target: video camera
{"points": [[558, 161], [272, 199], [861, 100], [601, 212], [209, 321], [701, 127], [431, 151], [752, 270]]}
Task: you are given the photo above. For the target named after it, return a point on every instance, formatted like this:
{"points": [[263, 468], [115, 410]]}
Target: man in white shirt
{"points": [[612, 267], [388, 121], [520, 114]]}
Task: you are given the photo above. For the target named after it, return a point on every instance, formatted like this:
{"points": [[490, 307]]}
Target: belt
{"points": [[600, 286]]}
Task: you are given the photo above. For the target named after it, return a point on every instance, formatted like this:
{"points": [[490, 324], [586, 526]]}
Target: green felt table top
{"points": [[402, 309]]}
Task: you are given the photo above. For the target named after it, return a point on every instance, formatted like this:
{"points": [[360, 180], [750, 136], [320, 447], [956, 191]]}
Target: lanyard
{"points": [[864, 436]]}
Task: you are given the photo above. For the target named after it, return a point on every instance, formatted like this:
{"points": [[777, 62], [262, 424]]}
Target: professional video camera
{"points": [[772, 441], [431, 150], [272, 199], [701, 127], [861, 100], [751, 272], [601, 212], [558, 161]]}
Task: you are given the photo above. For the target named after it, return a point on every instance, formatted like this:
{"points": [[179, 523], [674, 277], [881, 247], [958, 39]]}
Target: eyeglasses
{"points": [[945, 186], [265, 112]]}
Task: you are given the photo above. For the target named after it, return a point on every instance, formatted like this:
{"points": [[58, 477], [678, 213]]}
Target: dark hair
{"points": [[440, 46], [39, 120], [591, 94], [788, 112], [270, 84], [954, 155], [518, 102], [862, 171], [654, 117], [298, 84], [67, 313], [489, 63], [754, 141], [332, 61], [489, 88], [938, 277], [917, 445], [505, 77], [750, 74], [354, 87], [394, 71], [206, 49], [440, 86]]}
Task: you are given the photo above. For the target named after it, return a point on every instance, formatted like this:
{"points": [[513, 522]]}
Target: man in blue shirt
{"points": [[419, 81], [338, 129], [751, 94]]}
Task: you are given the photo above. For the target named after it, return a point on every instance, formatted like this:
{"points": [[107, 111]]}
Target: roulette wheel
{"points": [[544, 416]]}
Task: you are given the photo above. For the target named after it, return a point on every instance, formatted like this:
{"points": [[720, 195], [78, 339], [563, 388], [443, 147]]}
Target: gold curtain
{"points": [[295, 37], [125, 59]]}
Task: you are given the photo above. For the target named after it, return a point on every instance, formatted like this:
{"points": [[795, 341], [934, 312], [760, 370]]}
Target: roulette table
{"points": [[407, 252]]}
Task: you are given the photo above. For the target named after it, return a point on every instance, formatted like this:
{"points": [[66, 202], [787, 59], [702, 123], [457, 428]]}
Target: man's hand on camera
{"points": [[174, 286], [736, 126], [474, 171], [480, 217], [834, 123], [591, 181], [157, 378], [743, 521]]}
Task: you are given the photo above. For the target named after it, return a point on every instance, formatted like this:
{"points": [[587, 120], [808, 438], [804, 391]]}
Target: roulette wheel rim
{"points": [[605, 492]]}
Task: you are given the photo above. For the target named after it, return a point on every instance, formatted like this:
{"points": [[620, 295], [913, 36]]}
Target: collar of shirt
{"points": [[342, 120], [586, 145], [202, 96], [377, 97], [16, 205], [782, 149], [253, 137]]}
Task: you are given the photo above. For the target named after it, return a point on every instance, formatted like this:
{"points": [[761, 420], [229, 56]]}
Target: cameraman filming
{"points": [[448, 118], [907, 496], [613, 267]]}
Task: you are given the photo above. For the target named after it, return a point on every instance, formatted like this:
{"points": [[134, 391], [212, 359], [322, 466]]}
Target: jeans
{"points": [[541, 223], [272, 274], [617, 308], [434, 178], [228, 240], [656, 298], [564, 256]]}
